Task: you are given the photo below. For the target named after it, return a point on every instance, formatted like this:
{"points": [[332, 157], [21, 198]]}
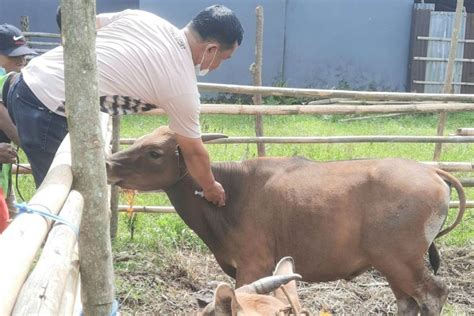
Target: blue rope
{"points": [[24, 208]]}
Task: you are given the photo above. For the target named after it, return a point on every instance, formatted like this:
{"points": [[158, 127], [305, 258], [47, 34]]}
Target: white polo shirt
{"points": [[144, 62]]}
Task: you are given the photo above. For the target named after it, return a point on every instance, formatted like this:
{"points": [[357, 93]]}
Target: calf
{"points": [[255, 299], [336, 219]]}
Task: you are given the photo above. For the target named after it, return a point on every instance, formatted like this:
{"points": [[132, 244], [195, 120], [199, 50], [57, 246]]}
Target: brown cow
{"points": [[254, 299], [336, 219]]}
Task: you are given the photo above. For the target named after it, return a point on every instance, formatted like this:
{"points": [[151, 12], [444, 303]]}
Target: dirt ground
{"points": [[152, 284]]}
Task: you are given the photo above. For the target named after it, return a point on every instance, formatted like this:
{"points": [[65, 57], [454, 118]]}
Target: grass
{"points": [[172, 232]]}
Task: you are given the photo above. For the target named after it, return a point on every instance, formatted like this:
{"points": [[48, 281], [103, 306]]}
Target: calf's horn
{"points": [[209, 137], [268, 284]]}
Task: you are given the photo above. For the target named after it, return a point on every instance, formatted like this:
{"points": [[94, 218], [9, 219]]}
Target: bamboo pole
{"points": [[465, 132], [82, 99], [43, 290], [25, 24], [22, 239], [236, 109], [333, 139], [448, 87], [72, 286], [114, 192], [171, 210], [41, 34], [324, 93], [256, 70], [467, 182]]}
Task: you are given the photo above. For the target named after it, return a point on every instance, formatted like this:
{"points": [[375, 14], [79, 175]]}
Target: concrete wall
{"points": [[307, 43]]}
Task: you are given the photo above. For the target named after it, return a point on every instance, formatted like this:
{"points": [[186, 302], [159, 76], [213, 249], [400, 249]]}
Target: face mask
{"points": [[2, 71], [203, 72]]}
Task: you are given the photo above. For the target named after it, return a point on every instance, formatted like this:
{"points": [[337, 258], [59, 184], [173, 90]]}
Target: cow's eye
{"points": [[154, 154]]}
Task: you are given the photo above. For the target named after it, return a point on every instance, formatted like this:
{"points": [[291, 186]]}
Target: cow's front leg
{"points": [[252, 270]]}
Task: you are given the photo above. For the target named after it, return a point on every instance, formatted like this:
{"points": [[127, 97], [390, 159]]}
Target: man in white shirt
{"points": [[144, 62]]}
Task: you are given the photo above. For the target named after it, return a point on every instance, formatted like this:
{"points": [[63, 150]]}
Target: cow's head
{"points": [[153, 162], [256, 298]]}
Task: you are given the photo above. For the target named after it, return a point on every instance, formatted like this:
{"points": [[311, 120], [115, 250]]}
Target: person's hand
{"points": [[215, 194], [7, 153]]}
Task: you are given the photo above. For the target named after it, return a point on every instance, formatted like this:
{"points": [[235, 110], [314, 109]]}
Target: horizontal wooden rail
{"points": [[448, 166], [41, 34], [340, 108], [322, 93], [333, 140], [170, 209], [44, 43], [465, 131]]}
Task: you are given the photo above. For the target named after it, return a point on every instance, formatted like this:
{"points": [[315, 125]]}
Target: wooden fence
{"points": [[52, 286], [330, 102]]}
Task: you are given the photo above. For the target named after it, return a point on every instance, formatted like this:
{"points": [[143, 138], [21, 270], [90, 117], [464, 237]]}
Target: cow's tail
{"points": [[462, 200], [433, 255]]}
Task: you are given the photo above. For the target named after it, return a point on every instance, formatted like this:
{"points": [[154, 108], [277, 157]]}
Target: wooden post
{"points": [[448, 83], [88, 158], [256, 70], [114, 192], [25, 23]]}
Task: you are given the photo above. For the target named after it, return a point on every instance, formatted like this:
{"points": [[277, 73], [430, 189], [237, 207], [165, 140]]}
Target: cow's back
{"points": [[344, 211]]}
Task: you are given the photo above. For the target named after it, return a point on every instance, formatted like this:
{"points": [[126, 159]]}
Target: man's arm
{"points": [[199, 166], [7, 126]]}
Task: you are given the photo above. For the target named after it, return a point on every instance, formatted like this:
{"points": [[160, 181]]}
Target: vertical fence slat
{"points": [[114, 192], [448, 84], [256, 69]]}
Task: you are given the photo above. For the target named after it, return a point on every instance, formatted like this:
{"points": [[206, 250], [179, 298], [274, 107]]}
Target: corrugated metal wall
{"points": [[468, 68], [420, 27], [429, 75], [362, 44], [441, 26]]}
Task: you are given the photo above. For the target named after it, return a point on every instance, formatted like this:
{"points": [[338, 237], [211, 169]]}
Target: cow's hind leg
{"points": [[415, 280]]}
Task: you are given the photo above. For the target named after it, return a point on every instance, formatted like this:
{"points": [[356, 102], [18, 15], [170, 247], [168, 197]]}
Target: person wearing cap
{"points": [[13, 52], [143, 62]]}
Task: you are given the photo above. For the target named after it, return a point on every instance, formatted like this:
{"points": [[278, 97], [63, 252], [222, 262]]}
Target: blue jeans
{"points": [[41, 131]]}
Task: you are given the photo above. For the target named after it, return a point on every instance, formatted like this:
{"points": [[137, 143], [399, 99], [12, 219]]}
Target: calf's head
{"points": [[153, 162], [256, 298]]}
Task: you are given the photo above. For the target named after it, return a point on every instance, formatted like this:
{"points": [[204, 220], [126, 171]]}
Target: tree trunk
{"points": [[88, 161]]}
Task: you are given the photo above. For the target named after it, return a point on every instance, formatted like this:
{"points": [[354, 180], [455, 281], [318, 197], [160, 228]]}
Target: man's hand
{"points": [[198, 164], [215, 194], [7, 153]]}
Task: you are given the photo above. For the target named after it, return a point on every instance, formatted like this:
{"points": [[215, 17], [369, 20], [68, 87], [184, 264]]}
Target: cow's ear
{"points": [[284, 267], [209, 137], [225, 301]]}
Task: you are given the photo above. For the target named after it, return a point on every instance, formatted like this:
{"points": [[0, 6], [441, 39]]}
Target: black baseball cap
{"points": [[13, 42]]}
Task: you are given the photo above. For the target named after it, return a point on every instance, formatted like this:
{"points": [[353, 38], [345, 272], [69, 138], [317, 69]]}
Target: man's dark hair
{"points": [[218, 23]]}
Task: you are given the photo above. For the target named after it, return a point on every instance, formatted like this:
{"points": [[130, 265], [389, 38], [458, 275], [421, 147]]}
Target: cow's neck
{"points": [[208, 221]]}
